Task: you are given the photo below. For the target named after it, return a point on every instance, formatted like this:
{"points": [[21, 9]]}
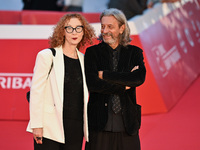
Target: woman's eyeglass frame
{"points": [[67, 28]]}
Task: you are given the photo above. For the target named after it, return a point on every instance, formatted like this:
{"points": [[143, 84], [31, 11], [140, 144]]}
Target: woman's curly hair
{"points": [[58, 36]]}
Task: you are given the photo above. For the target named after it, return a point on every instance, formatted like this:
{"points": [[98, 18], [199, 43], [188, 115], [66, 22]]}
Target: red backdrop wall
{"points": [[170, 47]]}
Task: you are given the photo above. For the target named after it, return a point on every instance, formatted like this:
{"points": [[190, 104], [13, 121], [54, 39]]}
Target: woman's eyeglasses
{"points": [[70, 29]]}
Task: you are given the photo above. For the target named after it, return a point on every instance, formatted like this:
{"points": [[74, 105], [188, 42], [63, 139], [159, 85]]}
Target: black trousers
{"points": [[73, 138], [112, 141]]}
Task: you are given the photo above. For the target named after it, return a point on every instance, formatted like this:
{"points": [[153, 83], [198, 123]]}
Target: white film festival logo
{"points": [[15, 80], [165, 58]]}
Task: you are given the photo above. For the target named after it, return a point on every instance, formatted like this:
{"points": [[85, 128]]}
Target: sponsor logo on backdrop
{"points": [[181, 42], [15, 80], [196, 28], [166, 58]]}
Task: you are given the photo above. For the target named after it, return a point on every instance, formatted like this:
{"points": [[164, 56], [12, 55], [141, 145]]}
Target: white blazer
{"points": [[46, 95]]}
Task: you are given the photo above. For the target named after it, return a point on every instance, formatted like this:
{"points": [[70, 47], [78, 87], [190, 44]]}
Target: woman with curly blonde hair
{"points": [[59, 94]]}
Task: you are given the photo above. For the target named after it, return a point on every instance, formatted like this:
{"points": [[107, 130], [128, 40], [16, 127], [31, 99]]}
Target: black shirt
{"points": [[73, 89], [115, 121]]}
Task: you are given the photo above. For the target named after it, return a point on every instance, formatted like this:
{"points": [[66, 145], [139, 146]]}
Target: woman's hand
{"points": [[37, 135]]}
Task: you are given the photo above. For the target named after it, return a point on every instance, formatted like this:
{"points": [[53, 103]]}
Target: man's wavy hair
{"points": [[120, 17], [58, 36]]}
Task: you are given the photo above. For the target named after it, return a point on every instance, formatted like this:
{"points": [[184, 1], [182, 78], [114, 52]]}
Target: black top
{"points": [[115, 121], [73, 89]]}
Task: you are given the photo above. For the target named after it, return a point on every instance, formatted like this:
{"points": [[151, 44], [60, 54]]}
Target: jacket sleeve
{"points": [[93, 82], [41, 70], [131, 79]]}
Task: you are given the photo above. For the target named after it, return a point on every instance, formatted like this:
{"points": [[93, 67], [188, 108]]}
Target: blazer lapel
{"points": [[86, 94], [58, 65], [105, 55], [81, 59], [123, 58]]}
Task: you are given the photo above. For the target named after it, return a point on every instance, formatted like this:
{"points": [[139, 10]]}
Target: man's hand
{"points": [[135, 68], [100, 74], [37, 135]]}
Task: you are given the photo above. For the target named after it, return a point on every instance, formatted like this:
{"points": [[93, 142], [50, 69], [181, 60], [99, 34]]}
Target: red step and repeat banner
{"points": [[170, 49], [17, 62]]}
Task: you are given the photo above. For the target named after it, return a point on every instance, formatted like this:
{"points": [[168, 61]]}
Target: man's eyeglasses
{"points": [[70, 29]]}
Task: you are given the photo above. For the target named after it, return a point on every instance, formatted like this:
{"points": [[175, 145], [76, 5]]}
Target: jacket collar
{"points": [[122, 56]]}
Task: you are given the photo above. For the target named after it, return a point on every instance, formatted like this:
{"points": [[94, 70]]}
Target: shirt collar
{"points": [[111, 49]]}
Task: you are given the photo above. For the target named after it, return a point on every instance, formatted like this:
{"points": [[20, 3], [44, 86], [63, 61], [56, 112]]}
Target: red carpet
{"points": [[178, 129]]}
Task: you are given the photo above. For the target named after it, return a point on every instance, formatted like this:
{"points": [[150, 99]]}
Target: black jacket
{"points": [[97, 59]]}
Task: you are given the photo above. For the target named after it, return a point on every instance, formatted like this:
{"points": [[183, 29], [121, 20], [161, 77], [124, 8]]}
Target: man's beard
{"points": [[112, 41]]}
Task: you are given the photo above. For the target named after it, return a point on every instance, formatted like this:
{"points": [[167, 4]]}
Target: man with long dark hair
{"points": [[114, 69]]}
